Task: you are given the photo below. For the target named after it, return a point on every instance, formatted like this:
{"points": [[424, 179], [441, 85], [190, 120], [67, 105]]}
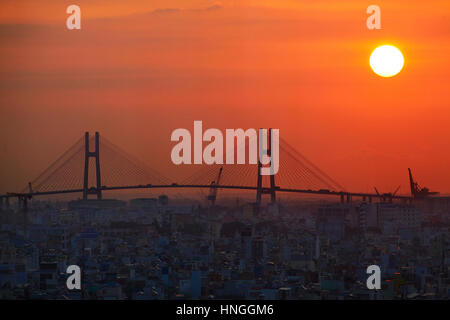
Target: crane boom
{"points": [[417, 191]]}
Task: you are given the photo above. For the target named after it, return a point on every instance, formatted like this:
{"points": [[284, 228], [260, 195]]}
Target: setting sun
{"points": [[386, 61]]}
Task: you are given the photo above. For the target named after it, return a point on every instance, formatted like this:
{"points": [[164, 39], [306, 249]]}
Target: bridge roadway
{"points": [[342, 194]]}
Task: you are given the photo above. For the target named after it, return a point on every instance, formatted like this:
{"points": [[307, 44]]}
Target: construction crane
{"points": [[212, 190], [416, 191], [388, 195]]}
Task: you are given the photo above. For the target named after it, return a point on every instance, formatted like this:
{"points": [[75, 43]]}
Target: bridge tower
{"points": [[260, 190], [87, 155]]}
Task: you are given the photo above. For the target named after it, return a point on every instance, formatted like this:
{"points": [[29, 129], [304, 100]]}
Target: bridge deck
{"points": [[175, 185]]}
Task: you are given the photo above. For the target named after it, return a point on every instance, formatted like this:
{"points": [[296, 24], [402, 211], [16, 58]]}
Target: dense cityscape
{"points": [[156, 248]]}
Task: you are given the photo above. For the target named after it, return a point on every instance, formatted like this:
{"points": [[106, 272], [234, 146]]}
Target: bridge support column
{"points": [[7, 203], [259, 188], [1, 203], [87, 155], [86, 166], [259, 185], [349, 198], [97, 165], [342, 198], [364, 198]]}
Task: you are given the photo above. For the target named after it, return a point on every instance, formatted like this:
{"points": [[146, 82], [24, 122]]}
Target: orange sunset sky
{"points": [[138, 69]]}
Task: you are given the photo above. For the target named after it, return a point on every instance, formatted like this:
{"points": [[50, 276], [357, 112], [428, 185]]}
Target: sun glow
{"points": [[386, 61]]}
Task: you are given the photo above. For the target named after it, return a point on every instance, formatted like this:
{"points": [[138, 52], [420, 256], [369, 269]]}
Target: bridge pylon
{"points": [[260, 190], [87, 155]]}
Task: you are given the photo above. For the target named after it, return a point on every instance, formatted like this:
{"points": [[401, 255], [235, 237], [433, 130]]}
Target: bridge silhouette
{"points": [[93, 165]]}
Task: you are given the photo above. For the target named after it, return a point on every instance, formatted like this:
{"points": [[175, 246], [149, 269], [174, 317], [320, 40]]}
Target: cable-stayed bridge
{"points": [[93, 165]]}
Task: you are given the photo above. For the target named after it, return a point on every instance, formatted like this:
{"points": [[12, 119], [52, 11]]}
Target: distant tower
{"points": [[95, 154]]}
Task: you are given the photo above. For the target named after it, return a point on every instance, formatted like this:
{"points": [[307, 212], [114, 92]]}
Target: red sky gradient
{"points": [[139, 69]]}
